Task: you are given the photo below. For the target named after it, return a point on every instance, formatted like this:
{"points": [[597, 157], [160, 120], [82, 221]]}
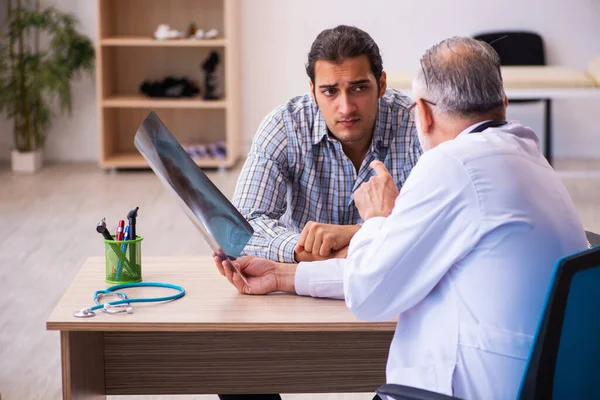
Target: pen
{"points": [[131, 217], [119, 236], [101, 228], [120, 228], [124, 251]]}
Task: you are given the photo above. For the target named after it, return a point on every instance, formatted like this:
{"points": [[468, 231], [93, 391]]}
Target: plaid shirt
{"points": [[296, 172]]}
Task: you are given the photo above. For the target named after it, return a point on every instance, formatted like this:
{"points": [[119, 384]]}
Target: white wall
{"points": [[276, 36], [279, 34]]}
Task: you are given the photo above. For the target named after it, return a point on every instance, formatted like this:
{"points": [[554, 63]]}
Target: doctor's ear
{"points": [[423, 116]]}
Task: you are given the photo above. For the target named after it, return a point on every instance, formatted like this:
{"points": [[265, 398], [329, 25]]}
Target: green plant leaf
{"points": [[33, 79]]}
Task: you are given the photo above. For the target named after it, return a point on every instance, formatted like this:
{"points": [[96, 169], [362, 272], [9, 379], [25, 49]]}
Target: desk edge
{"points": [[215, 327]]}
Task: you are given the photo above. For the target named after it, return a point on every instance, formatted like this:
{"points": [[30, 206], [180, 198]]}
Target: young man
{"points": [[464, 253], [310, 154]]}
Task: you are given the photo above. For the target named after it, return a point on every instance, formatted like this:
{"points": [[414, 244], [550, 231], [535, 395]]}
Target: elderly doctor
{"points": [[464, 253]]}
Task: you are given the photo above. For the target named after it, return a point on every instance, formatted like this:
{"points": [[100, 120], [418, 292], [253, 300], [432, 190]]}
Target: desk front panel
{"points": [[244, 362]]}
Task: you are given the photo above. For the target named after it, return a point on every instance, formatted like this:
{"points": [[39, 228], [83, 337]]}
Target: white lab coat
{"points": [[464, 260]]}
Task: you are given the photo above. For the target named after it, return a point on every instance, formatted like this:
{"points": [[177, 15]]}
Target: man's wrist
{"points": [[281, 248], [300, 256], [286, 275], [377, 214]]}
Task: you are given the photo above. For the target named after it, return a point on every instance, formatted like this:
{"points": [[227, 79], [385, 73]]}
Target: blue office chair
{"points": [[565, 359]]}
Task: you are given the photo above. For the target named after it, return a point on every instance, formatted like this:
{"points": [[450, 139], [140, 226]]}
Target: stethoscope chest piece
{"points": [[84, 313]]}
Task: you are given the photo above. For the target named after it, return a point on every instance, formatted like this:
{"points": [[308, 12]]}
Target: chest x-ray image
{"points": [[225, 230]]}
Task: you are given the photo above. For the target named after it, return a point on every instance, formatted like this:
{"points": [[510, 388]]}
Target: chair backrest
{"points": [[565, 359], [592, 238], [516, 47]]}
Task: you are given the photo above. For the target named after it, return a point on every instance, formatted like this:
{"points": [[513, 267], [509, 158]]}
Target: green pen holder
{"points": [[123, 260]]}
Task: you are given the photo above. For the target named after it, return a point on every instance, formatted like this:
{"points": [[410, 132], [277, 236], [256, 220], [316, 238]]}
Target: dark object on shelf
{"points": [[209, 65], [170, 87], [192, 29], [216, 150]]}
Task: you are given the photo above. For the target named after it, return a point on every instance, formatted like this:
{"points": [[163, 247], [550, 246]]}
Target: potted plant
{"points": [[35, 74]]}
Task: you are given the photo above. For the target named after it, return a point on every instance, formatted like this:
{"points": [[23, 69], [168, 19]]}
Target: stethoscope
{"points": [[123, 304]]}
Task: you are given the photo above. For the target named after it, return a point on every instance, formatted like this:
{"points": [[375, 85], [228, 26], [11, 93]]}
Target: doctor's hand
{"points": [[263, 276], [324, 240], [376, 198], [303, 255]]}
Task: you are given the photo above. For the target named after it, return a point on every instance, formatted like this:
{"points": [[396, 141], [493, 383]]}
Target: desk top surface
{"points": [[211, 303]]}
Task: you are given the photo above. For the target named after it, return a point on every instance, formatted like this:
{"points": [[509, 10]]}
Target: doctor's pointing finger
{"points": [[376, 197]]}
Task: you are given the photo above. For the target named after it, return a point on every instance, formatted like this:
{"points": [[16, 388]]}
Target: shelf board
{"points": [[135, 160], [141, 41], [138, 101]]}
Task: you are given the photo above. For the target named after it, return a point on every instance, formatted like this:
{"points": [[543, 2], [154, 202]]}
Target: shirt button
{"points": [[281, 259]]}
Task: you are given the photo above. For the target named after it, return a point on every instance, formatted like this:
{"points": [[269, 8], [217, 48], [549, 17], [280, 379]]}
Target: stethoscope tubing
{"points": [[113, 289]]}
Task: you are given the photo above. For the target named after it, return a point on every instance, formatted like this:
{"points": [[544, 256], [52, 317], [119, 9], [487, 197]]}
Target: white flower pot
{"points": [[26, 162]]}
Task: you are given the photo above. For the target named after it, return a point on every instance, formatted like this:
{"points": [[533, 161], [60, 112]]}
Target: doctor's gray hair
{"points": [[462, 75]]}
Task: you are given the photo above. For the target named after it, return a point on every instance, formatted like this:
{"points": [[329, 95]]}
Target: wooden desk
{"points": [[213, 340]]}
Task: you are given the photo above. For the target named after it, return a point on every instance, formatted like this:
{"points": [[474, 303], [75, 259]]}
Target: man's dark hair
{"points": [[340, 43]]}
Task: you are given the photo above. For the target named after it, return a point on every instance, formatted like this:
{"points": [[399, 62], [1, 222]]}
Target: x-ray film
{"points": [[225, 230]]}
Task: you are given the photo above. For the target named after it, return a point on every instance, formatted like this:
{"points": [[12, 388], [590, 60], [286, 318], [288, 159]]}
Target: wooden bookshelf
{"points": [[150, 42], [127, 55], [135, 160], [140, 101]]}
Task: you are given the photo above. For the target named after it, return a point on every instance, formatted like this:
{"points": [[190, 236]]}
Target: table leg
{"points": [[82, 356]]}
